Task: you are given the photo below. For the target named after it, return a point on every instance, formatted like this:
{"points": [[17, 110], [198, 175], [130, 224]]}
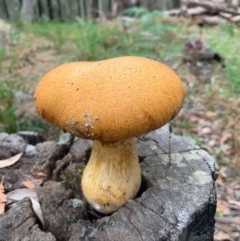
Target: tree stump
{"points": [[19, 223], [176, 202]]}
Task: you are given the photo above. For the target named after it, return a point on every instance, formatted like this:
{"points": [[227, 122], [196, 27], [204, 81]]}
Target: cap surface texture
{"points": [[110, 99]]}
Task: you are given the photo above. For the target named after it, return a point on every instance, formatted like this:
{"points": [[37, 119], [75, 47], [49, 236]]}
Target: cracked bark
{"points": [[20, 223], [176, 202]]}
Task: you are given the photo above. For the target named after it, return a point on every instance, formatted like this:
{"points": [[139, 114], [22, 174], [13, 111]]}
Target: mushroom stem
{"points": [[112, 175]]}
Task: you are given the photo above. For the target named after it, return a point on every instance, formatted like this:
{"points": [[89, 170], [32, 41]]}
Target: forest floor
{"points": [[209, 116]]}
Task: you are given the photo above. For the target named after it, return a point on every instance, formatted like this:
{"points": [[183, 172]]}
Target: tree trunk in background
{"points": [[59, 10], [95, 13], [27, 11], [81, 8], [40, 8], [4, 9], [86, 9], [50, 9]]}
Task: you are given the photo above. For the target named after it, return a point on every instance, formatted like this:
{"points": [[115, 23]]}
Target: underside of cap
{"points": [[110, 99]]}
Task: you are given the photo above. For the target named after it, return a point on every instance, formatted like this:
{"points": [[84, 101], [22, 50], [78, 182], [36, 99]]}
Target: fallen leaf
{"points": [[219, 182], [10, 161], [38, 174], [194, 119], [31, 184], [225, 137], [228, 220], [19, 194], [3, 197], [235, 185], [206, 131], [211, 115], [234, 204], [219, 236], [37, 210]]}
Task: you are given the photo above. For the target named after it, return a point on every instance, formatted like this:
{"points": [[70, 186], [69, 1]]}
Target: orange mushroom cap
{"points": [[110, 99]]}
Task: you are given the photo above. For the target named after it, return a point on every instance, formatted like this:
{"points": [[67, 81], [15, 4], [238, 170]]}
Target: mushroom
{"points": [[110, 102]]}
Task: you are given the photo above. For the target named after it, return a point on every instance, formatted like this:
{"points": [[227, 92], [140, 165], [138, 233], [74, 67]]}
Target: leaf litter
{"points": [[3, 197], [212, 119], [10, 161]]}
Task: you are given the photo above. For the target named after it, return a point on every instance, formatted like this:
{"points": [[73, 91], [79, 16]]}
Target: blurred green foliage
{"points": [[138, 32], [9, 121], [7, 113], [142, 35], [225, 40]]}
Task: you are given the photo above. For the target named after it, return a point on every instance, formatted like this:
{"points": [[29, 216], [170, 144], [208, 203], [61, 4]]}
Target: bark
{"points": [[176, 201], [27, 11], [4, 5], [20, 223], [50, 10]]}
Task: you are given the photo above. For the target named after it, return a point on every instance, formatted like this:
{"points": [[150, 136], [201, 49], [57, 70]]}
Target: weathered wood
{"points": [[207, 12], [12, 8], [27, 11], [20, 223], [4, 13], [214, 6], [177, 200], [189, 11]]}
